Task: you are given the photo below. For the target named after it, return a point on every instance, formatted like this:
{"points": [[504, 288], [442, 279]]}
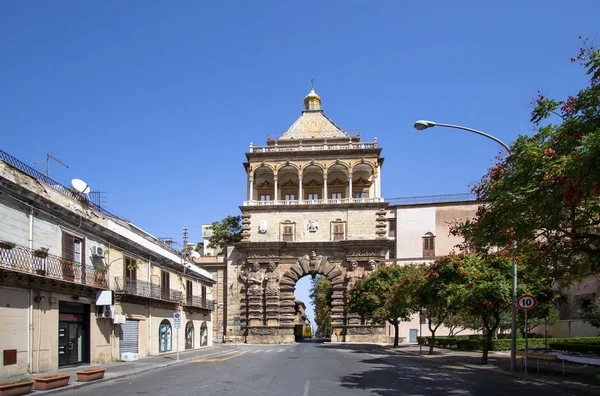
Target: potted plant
{"points": [[99, 274], [51, 381], [16, 388], [41, 272], [67, 269], [90, 374], [7, 245], [41, 253]]}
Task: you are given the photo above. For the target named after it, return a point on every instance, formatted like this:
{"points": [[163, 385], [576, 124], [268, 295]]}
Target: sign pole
{"points": [[177, 338], [526, 342], [177, 320]]}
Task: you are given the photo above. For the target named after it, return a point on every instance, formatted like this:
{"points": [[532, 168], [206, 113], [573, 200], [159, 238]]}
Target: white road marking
{"points": [[306, 386]]}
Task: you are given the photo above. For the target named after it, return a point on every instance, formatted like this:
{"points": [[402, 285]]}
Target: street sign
{"points": [[526, 302], [176, 315], [177, 319]]}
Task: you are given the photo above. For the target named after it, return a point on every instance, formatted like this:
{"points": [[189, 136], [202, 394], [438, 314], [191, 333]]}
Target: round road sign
{"points": [[526, 302], [176, 315]]}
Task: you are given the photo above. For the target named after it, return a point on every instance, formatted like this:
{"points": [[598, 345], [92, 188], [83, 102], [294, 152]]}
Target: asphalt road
{"points": [[305, 369]]}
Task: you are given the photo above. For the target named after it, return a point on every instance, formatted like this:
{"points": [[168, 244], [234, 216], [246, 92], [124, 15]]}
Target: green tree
{"points": [[320, 294], [226, 232], [433, 294], [199, 247], [376, 298], [591, 314], [546, 193]]}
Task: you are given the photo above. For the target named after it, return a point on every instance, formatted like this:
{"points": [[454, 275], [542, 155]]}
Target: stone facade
{"points": [[313, 207]]}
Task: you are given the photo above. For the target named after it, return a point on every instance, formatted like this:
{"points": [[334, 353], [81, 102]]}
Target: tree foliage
{"points": [[376, 297], [320, 294], [591, 314], [546, 193], [226, 232]]}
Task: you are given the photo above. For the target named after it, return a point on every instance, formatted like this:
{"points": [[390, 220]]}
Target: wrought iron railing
{"points": [[425, 199], [198, 301], [314, 201], [9, 159], [145, 289], [39, 262]]}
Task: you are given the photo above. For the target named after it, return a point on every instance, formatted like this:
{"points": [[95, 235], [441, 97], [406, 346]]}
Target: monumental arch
{"points": [[313, 206]]}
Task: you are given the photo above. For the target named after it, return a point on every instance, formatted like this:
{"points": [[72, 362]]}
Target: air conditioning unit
{"points": [[105, 311], [97, 251]]}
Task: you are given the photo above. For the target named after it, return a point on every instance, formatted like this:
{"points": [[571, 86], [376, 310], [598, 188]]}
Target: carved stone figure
{"points": [[353, 274], [372, 267], [313, 226], [272, 279], [255, 280]]}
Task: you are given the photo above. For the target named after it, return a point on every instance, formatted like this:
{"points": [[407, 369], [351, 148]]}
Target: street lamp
{"points": [[421, 125]]}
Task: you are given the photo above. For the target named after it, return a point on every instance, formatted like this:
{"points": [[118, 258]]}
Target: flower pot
{"points": [[40, 272], [90, 374], [16, 388], [52, 381], [41, 253], [6, 245]]}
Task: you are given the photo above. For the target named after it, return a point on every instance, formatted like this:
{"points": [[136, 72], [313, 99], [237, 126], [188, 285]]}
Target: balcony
{"points": [[39, 263], [314, 202], [198, 302], [138, 288]]}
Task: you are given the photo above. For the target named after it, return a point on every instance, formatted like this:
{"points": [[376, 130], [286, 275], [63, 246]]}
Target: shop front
{"points": [[73, 334]]}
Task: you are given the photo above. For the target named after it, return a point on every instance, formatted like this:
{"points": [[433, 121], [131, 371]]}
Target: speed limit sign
{"points": [[526, 302]]}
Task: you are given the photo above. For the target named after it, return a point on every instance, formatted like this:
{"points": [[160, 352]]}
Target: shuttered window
{"points": [[73, 248], [338, 231], [429, 245], [128, 336], [130, 268], [288, 233]]}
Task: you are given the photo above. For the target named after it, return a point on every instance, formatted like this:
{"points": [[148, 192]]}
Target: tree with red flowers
{"points": [[546, 193]]}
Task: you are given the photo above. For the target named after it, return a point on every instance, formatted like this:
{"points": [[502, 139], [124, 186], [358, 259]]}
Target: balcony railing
{"points": [[313, 147], [199, 302], [38, 262], [144, 289], [314, 202]]}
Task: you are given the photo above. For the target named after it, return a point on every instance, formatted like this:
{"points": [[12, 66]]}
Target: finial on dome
{"points": [[312, 101]]}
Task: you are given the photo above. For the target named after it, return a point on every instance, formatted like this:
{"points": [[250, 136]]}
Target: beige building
{"points": [[80, 285]]}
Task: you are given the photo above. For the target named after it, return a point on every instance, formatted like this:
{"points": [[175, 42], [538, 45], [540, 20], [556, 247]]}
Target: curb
{"points": [[76, 385]]}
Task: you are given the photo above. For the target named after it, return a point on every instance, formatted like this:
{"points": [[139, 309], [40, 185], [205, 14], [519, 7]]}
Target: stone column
{"points": [[325, 188], [275, 193], [350, 186], [300, 197], [251, 192]]}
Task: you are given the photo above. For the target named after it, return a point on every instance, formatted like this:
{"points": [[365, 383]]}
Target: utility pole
{"points": [[185, 234], [47, 161]]}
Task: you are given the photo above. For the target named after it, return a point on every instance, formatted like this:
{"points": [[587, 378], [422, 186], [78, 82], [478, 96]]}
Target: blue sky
{"points": [[155, 103]]}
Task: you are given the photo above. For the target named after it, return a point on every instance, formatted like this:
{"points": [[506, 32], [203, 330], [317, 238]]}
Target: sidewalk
{"points": [[123, 369], [580, 378]]}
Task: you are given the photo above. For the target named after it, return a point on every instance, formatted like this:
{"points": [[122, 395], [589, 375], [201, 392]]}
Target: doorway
{"points": [[73, 334], [413, 336]]}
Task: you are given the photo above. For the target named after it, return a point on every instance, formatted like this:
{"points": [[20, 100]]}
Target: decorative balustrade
{"points": [[39, 262], [145, 289], [314, 201], [199, 302], [313, 147]]}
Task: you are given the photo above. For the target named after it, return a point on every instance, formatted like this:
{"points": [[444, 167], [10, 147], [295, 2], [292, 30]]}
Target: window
{"points": [[337, 195], [73, 248], [265, 197], [189, 335], [288, 233], [392, 229], [392, 251], [203, 295], [313, 196], [338, 231], [189, 291], [164, 336], [165, 284], [361, 194], [428, 245], [289, 197], [130, 268]]}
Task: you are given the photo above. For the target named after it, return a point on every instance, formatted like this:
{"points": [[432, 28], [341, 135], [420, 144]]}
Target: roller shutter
{"points": [[128, 335]]}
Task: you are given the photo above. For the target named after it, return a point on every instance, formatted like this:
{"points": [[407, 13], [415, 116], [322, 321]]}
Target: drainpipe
{"points": [[29, 341], [30, 228]]}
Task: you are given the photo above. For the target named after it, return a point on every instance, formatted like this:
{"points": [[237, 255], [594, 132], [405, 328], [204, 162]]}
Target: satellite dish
{"points": [[80, 186]]}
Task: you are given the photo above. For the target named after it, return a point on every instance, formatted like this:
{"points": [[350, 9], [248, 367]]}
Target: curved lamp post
{"points": [[421, 125]]}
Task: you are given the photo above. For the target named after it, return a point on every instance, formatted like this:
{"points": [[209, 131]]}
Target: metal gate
{"points": [[128, 337]]}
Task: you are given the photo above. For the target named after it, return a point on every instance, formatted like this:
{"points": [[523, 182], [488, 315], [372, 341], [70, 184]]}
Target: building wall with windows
{"points": [[57, 251]]}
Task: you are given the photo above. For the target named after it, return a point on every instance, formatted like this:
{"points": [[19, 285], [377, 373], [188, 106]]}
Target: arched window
{"points": [[203, 334], [429, 245], [164, 336], [189, 335]]}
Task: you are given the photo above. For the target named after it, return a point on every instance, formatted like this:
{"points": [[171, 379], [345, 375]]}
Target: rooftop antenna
{"points": [[47, 161]]}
